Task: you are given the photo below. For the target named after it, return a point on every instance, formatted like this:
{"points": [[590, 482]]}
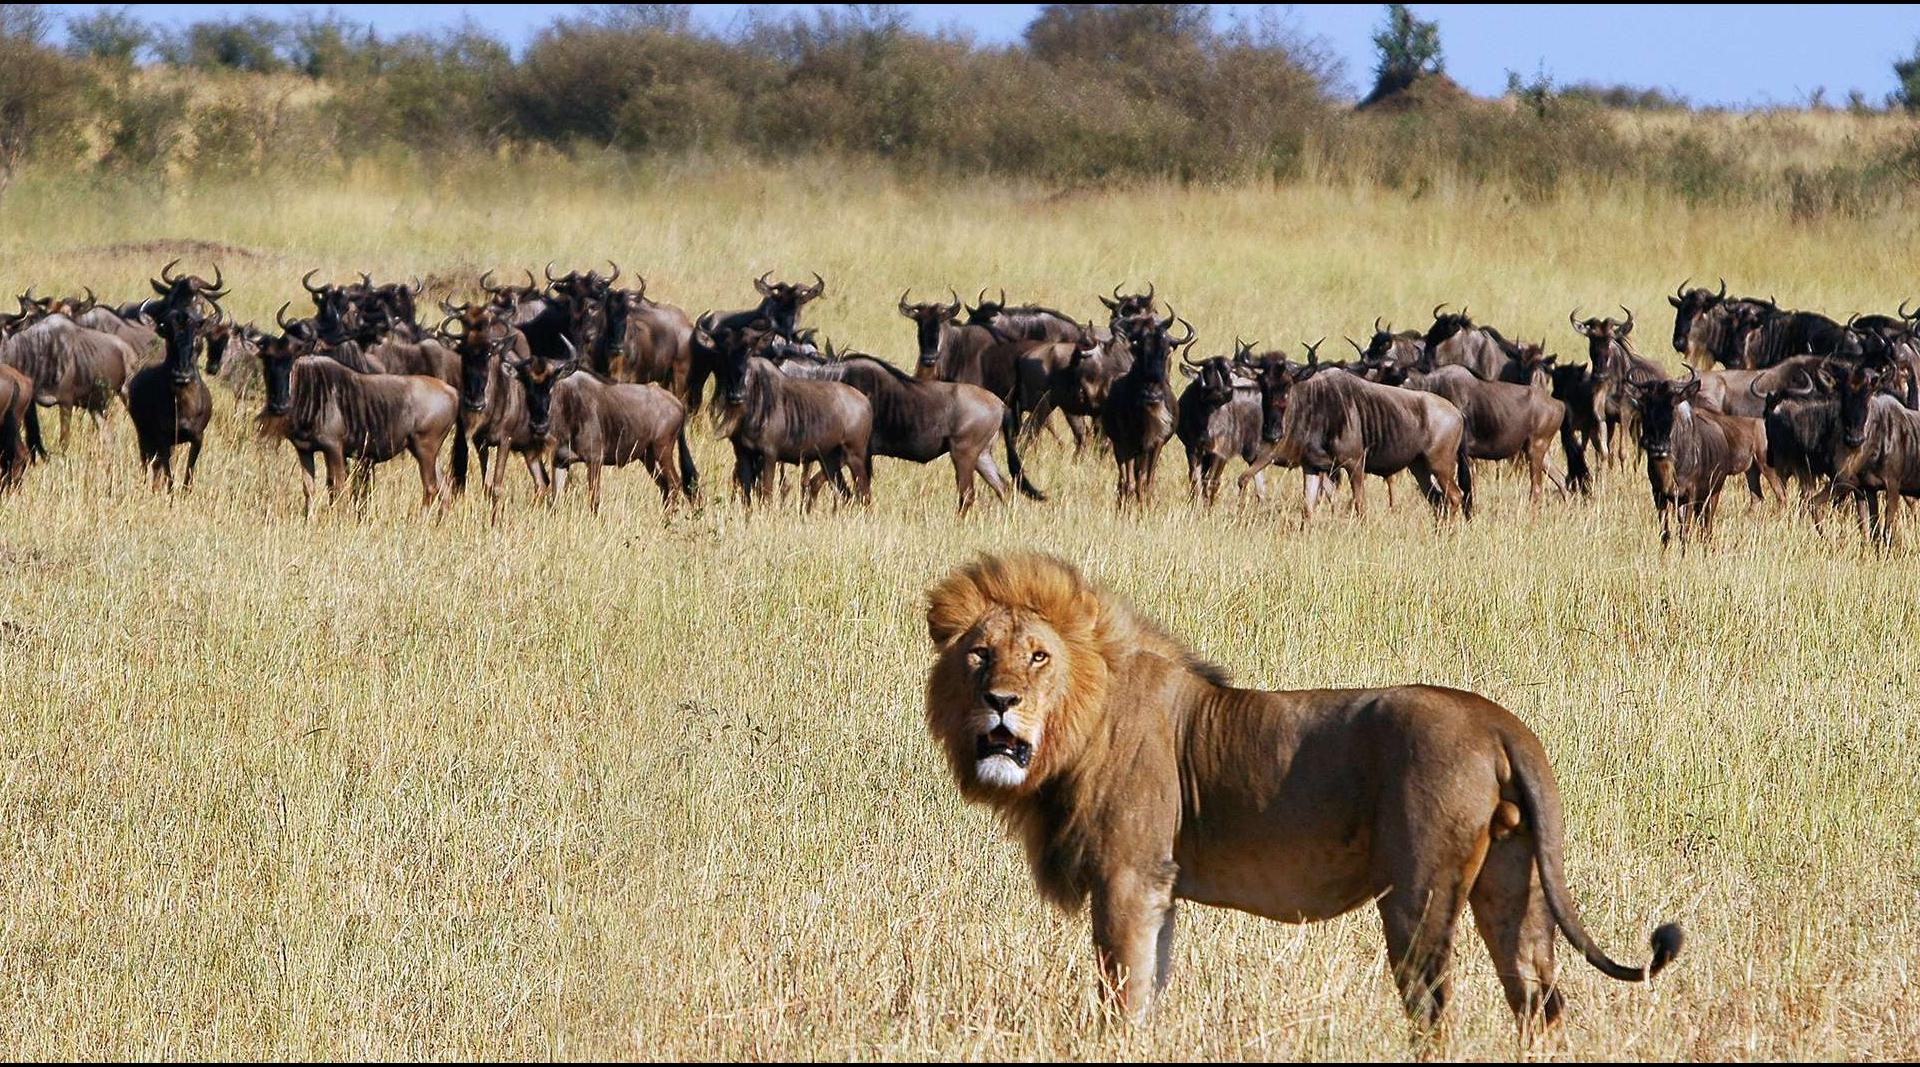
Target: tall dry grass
{"points": [[650, 786]]}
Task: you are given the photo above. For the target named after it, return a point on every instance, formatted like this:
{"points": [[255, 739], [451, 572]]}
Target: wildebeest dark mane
{"points": [[350, 355], [375, 416]]}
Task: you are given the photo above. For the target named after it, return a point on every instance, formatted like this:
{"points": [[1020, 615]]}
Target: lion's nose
{"points": [[1001, 702]]}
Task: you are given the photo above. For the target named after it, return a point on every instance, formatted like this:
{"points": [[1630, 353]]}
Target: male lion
{"points": [[1137, 776]]}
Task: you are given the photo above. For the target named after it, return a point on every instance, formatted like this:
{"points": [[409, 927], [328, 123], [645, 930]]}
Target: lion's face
{"points": [[1002, 679]]}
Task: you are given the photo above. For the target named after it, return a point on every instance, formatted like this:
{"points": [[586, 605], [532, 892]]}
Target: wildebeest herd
{"points": [[579, 370]]}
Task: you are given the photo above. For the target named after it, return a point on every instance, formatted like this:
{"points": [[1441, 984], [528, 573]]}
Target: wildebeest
{"points": [[1071, 377], [1406, 348], [771, 418], [1744, 392], [1503, 421], [1775, 335], [324, 407], [1130, 305], [19, 426], [70, 367], [950, 351], [1325, 420], [1691, 452], [493, 404], [1612, 361], [1138, 416], [577, 416], [1880, 449], [1455, 339], [1219, 418], [920, 421], [517, 303], [168, 403], [641, 340], [1023, 322], [140, 336]]}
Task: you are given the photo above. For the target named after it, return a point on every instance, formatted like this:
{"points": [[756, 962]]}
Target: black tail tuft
{"points": [[689, 474], [459, 458], [36, 445], [1579, 475], [1010, 430], [1667, 942], [1464, 467]]}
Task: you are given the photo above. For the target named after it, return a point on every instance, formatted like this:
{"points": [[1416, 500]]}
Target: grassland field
{"points": [[647, 786]]}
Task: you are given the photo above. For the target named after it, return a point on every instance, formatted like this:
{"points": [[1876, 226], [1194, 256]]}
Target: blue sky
{"points": [[1749, 55]]}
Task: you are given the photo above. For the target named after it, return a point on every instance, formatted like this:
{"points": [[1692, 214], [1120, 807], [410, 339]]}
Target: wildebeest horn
{"points": [[1116, 294], [548, 270], [616, 272], [981, 299], [1722, 294], [366, 280], [1682, 291], [1188, 339], [819, 285], [953, 309], [905, 309], [1003, 297], [416, 289], [215, 289], [1573, 319], [531, 284], [490, 290], [166, 272], [1150, 291], [1627, 327], [92, 301], [1436, 310], [760, 284], [452, 317], [306, 282], [280, 316], [1355, 344], [1376, 326]]}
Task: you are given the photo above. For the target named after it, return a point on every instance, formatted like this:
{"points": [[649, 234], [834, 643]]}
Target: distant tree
{"points": [[111, 33], [329, 46], [1408, 47], [40, 91], [1907, 72], [249, 44], [1114, 33]]}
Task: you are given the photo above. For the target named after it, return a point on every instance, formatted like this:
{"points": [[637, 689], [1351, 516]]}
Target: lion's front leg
{"points": [[1133, 936]]}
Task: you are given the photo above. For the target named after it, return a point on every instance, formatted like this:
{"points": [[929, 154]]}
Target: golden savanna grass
{"points": [[646, 786]]}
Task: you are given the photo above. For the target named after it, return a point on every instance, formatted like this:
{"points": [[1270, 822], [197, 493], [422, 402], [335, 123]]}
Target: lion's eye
{"points": [[1040, 656]]}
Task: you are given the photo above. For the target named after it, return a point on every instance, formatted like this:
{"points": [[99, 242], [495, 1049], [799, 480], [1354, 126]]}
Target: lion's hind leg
{"points": [[1510, 911], [1419, 913]]}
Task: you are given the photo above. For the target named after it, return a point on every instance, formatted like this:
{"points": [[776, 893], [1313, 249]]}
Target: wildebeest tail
{"points": [[689, 474], [1463, 467], [1540, 803], [13, 451], [1010, 429], [36, 445], [459, 457], [1579, 475]]}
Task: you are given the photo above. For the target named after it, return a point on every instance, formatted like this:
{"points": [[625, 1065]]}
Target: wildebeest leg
{"points": [[459, 458], [193, 457], [1387, 478], [963, 477], [557, 486], [746, 474], [1037, 416], [1890, 523], [1152, 461], [1255, 473], [1357, 473], [427, 454], [1310, 491], [1078, 424], [66, 420], [991, 472], [862, 467], [336, 473], [1537, 469], [307, 481], [593, 487]]}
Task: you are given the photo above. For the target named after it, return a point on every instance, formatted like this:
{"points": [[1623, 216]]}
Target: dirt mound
{"points": [[171, 247], [1429, 92]]}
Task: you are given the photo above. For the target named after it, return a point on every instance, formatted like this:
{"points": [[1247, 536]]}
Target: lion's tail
{"points": [[1541, 804]]}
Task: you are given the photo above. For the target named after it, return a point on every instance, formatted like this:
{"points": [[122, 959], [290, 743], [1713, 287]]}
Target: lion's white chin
{"points": [[999, 772]]}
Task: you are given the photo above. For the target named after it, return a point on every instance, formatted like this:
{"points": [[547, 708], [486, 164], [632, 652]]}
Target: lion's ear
{"points": [[953, 606]]}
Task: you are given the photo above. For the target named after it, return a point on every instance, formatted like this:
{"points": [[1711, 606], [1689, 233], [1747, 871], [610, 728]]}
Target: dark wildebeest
{"points": [[771, 418], [70, 367], [576, 416], [1503, 421], [1613, 360], [1219, 418], [641, 340], [1880, 448], [1691, 452], [19, 426], [780, 304], [1023, 322], [920, 421], [493, 410], [950, 351], [1406, 349], [1455, 339], [322, 406], [1325, 420], [1071, 377], [1130, 305], [1708, 326], [1138, 416], [1775, 335], [169, 403], [1803, 432]]}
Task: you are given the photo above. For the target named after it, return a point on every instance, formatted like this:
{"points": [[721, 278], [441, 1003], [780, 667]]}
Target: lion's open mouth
{"points": [[1000, 741]]}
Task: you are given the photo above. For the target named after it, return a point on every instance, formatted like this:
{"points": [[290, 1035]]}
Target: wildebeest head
{"points": [[1153, 345], [1130, 305], [477, 334], [1605, 337], [1571, 384], [178, 290], [1662, 403], [1856, 387], [538, 375], [780, 302], [1276, 378], [1213, 379], [508, 298], [731, 348], [179, 327], [277, 355], [1688, 304], [929, 323], [1446, 324]]}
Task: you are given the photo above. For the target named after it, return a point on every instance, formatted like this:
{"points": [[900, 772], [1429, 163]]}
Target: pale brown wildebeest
{"points": [[1503, 421], [1691, 452], [19, 426], [70, 367], [324, 407], [1880, 449], [576, 416], [771, 418]]}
